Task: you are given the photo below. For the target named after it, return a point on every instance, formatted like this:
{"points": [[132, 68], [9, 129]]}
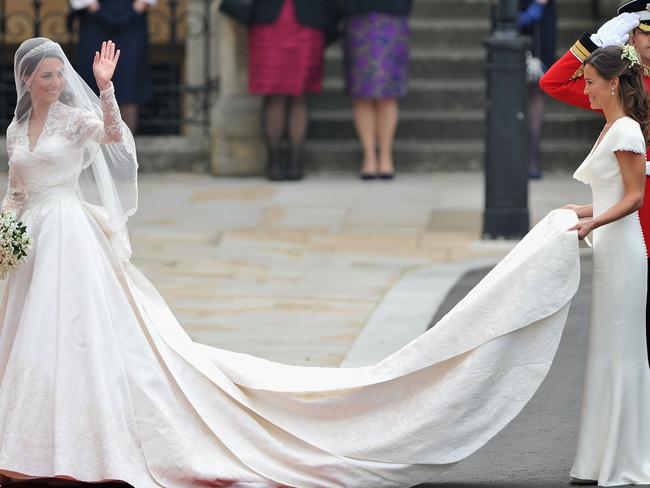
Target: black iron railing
{"points": [[176, 103]]}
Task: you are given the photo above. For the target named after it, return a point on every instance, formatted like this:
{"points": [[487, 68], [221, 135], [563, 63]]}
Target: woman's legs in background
{"points": [[298, 122], [387, 116], [376, 122], [365, 121], [275, 122], [285, 114], [536, 102]]}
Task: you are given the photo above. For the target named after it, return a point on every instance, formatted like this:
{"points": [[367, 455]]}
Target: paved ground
{"points": [[311, 273]]}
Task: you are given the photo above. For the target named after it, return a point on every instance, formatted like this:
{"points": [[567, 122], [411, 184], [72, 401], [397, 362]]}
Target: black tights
{"points": [[285, 114]]}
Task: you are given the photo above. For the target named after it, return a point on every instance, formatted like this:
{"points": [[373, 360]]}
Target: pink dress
{"points": [[285, 57]]}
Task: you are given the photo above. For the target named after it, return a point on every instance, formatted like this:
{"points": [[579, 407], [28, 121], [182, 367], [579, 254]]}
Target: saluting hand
{"points": [[104, 64]]}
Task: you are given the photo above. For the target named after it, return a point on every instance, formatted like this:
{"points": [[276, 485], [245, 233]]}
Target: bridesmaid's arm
{"points": [[582, 211], [632, 167]]}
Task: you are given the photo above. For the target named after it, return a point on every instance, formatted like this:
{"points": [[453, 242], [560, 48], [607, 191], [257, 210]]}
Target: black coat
{"points": [[394, 7], [321, 14]]}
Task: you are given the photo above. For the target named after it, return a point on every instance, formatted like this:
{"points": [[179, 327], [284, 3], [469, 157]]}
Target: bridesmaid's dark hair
{"points": [[24, 104], [609, 64]]}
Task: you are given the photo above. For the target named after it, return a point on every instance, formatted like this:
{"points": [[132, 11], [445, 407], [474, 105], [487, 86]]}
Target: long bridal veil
{"points": [[108, 182]]}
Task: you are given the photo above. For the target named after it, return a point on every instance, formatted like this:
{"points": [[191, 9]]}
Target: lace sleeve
{"points": [[90, 127], [12, 138], [15, 198]]}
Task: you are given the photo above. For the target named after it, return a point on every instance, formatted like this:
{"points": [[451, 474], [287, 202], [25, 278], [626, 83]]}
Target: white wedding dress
{"points": [[98, 381], [614, 435]]}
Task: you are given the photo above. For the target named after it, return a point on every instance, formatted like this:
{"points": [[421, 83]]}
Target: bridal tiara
{"points": [[41, 47]]}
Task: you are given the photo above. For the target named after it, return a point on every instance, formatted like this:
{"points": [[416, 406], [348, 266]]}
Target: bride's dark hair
{"points": [[609, 63], [24, 104]]}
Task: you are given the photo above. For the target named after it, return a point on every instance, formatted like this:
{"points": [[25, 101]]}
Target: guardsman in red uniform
{"points": [[564, 81]]}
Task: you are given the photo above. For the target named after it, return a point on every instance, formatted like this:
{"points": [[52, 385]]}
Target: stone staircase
{"points": [[442, 120]]}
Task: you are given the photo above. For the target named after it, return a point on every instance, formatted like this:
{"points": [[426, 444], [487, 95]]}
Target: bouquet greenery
{"points": [[14, 243]]}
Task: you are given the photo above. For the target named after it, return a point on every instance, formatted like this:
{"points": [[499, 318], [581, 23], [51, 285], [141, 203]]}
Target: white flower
{"points": [[14, 243], [631, 55]]}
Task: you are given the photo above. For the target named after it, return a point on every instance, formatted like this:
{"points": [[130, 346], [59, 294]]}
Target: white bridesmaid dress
{"points": [[98, 381], [614, 435]]}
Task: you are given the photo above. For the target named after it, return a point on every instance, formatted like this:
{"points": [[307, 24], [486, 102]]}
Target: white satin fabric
{"points": [[98, 381], [614, 436]]}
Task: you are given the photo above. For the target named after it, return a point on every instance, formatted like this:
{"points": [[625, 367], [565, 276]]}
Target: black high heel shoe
{"points": [[274, 169], [295, 171]]}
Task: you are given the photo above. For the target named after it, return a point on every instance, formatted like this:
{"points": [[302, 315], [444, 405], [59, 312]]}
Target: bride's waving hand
{"points": [[104, 64]]}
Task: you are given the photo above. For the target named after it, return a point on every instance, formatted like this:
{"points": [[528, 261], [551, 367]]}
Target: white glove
{"points": [[616, 31]]}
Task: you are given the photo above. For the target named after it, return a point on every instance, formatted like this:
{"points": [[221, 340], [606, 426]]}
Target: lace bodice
{"points": [[61, 151]]}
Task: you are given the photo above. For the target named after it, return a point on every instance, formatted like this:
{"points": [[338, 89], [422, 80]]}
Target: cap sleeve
{"points": [[627, 136]]}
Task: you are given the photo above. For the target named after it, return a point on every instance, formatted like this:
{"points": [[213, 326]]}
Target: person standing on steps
{"points": [[376, 58], [286, 42], [538, 20], [565, 81], [124, 22]]}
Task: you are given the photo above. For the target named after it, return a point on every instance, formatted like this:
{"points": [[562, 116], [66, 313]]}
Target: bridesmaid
{"points": [[286, 42], [125, 23], [614, 435], [376, 60]]}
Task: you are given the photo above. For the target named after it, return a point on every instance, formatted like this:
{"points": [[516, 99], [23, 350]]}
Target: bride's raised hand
{"points": [[104, 64]]}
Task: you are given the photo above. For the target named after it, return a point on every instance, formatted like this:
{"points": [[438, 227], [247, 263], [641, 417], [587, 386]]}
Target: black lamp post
{"points": [[506, 166]]}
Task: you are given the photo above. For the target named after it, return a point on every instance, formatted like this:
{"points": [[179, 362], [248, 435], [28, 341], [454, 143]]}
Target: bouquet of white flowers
{"points": [[14, 243]]}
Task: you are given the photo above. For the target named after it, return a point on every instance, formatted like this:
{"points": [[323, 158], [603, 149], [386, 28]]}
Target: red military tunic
{"points": [[565, 82]]}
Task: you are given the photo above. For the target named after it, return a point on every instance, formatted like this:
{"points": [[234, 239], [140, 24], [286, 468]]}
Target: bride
{"points": [[101, 382]]}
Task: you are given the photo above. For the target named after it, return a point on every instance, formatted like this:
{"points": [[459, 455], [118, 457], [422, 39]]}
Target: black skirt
{"points": [[117, 21]]}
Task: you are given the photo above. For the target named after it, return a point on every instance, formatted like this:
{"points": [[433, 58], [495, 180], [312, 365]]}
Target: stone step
{"points": [[462, 94], [450, 8], [460, 33], [434, 94], [173, 153], [425, 63], [158, 154], [480, 8], [429, 64], [443, 125], [442, 120], [428, 156]]}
